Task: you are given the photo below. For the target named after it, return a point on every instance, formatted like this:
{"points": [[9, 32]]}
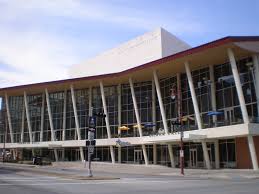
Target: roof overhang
{"points": [[211, 53]]}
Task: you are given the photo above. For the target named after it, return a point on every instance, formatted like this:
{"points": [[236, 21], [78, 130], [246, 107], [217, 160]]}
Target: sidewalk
{"points": [[156, 170], [115, 171]]}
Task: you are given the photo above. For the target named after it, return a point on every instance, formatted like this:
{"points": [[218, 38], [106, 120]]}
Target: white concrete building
{"points": [[140, 50]]}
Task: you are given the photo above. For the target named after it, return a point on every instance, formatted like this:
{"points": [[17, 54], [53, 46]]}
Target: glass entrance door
{"points": [[193, 158], [229, 116], [137, 156]]}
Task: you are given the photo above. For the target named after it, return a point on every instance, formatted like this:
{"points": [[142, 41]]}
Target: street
{"points": [[13, 181]]}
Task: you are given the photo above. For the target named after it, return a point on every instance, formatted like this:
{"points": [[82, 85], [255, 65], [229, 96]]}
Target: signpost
{"points": [[91, 142]]}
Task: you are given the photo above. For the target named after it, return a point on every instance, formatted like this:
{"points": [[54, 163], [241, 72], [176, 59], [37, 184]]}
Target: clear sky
{"points": [[40, 39]]}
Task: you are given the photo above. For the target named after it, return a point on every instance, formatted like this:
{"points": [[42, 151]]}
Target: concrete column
{"points": [[119, 119], [154, 154], [252, 152], [194, 99], [107, 121], [256, 76], [160, 100], [53, 135], [75, 112], [171, 155], [9, 117], [28, 115], [64, 116], [42, 117], [213, 93], [238, 85], [64, 122], [138, 118], [217, 161], [76, 121], [22, 127], [162, 111], [154, 105], [206, 154], [197, 113], [242, 105]]}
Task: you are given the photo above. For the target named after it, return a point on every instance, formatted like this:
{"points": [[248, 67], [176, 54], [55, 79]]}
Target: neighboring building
{"points": [[143, 49], [213, 89]]}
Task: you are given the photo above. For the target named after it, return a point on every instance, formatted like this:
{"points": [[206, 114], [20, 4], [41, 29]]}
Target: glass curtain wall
{"points": [[16, 107], [35, 105]]}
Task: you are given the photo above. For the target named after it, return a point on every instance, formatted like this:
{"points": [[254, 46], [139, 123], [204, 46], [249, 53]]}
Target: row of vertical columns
{"points": [[76, 121], [162, 110], [53, 135], [197, 113], [138, 119], [107, 121], [242, 104]]}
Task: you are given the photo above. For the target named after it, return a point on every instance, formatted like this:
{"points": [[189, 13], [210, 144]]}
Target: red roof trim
{"points": [[190, 51]]}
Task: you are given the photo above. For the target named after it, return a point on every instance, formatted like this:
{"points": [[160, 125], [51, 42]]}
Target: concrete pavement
{"points": [[14, 180]]}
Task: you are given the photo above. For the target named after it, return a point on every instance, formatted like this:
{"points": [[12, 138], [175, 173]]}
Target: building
{"points": [[213, 89], [140, 50]]}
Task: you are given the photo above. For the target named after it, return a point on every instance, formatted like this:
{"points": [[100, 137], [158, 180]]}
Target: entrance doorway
{"points": [[193, 158], [138, 156], [229, 115]]}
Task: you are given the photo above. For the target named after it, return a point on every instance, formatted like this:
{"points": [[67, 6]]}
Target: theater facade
{"points": [[212, 90]]}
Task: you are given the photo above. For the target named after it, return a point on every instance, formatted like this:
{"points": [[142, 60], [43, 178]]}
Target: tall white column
{"points": [[9, 117], [42, 117], [76, 121], [206, 154], [64, 122], [256, 76], [242, 105], [119, 119], [252, 152], [154, 105], [107, 120], [238, 85], [138, 118], [160, 100], [217, 161], [194, 99], [27, 115], [53, 135], [64, 116], [75, 112], [197, 113], [213, 93], [22, 127], [162, 111]]}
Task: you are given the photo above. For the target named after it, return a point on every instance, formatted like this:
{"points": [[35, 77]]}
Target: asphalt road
{"points": [[18, 181]]}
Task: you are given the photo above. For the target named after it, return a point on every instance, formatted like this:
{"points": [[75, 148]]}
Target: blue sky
{"points": [[39, 40]]}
